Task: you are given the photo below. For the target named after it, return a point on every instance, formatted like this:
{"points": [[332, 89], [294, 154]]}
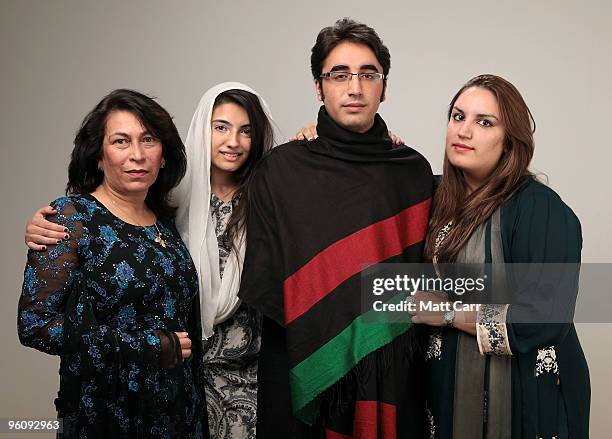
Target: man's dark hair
{"points": [[83, 173], [347, 30]]}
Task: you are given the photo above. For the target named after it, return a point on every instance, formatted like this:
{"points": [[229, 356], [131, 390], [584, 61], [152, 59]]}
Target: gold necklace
{"points": [[158, 239]]}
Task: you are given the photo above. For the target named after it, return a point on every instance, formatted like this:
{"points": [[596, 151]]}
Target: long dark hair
{"points": [[83, 173], [467, 212], [262, 140]]}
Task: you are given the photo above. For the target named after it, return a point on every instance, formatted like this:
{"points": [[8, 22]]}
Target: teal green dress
{"points": [[549, 387]]}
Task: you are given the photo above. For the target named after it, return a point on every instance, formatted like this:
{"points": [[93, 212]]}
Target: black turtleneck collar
{"points": [[375, 145]]}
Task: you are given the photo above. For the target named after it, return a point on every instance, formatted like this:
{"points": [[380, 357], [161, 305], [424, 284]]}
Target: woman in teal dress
{"points": [[492, 373]]}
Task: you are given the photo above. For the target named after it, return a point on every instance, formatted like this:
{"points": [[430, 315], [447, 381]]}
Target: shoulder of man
{"points": [[286, 151], [415, 152]]}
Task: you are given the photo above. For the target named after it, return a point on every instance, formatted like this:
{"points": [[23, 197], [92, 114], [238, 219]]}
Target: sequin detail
{"points": [[105, 301]]}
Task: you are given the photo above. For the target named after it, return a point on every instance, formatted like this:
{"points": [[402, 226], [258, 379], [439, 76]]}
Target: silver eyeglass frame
{"points": [[377, 76]]}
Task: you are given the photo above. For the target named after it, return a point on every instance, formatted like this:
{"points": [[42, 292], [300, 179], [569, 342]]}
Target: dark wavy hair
{"points": [[468, 211], [83, 173], [262, 140], [347, 30]]}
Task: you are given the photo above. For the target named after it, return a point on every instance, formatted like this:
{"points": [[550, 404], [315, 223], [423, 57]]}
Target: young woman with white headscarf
{"points": [[229, 133]]}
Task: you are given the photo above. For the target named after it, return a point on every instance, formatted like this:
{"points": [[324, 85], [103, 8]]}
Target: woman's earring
{"points": [[163, 164]]}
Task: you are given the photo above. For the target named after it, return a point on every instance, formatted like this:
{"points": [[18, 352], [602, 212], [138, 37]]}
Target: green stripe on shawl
{"points": [[308, 379]]}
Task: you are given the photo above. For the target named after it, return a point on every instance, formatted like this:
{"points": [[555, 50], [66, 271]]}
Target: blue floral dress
{"points": [[108, 301]]}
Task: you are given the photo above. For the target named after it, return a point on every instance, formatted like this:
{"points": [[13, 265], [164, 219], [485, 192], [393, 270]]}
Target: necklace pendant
{"points": [[160, 241]]}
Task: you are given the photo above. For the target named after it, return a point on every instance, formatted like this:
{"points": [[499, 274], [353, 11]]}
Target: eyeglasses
{"points": [[367, 77]]}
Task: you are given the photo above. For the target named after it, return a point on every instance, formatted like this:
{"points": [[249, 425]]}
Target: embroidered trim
{"points": [[432, 424], [440, 237], [546, 361], [434, 348], [491, 332]]}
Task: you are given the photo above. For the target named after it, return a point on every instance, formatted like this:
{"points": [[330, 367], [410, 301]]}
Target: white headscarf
{"points": [[218, 298]]}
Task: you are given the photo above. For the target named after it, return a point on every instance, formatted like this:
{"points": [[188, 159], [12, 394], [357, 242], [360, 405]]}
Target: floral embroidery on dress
{"points": [[440, 237], [432, 424], [546, 361], [434, 348], [491, 331], [105, 301]]}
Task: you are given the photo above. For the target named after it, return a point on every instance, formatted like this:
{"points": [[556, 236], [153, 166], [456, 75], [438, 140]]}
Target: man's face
{"points": [[352, 104]]}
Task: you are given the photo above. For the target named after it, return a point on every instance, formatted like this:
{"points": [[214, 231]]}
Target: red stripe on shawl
{"points": [[374, 420], [372, 244]]}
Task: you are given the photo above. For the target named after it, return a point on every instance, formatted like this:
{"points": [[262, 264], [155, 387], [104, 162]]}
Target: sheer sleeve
{"points": [[170, 349], [47, 283], [47, 321]]}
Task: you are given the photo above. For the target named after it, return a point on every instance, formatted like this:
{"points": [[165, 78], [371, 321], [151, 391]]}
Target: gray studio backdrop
{"points": [[60, 57]]}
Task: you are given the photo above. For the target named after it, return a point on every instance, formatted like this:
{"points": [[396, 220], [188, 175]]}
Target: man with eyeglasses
{"points": [[320, 212]]}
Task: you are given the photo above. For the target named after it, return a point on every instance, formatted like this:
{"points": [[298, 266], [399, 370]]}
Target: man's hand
{"points": [[39, 231], [395, 139], [309, 132]]}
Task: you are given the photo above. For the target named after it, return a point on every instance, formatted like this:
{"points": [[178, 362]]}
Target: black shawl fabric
{"points": [[320, 211]]}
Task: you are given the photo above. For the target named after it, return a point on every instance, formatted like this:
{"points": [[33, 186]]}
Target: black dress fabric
{"points": [[109, 301]]}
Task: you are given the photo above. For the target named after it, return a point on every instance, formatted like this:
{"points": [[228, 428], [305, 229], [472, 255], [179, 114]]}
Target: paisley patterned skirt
{"points": [[230, 375]]}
